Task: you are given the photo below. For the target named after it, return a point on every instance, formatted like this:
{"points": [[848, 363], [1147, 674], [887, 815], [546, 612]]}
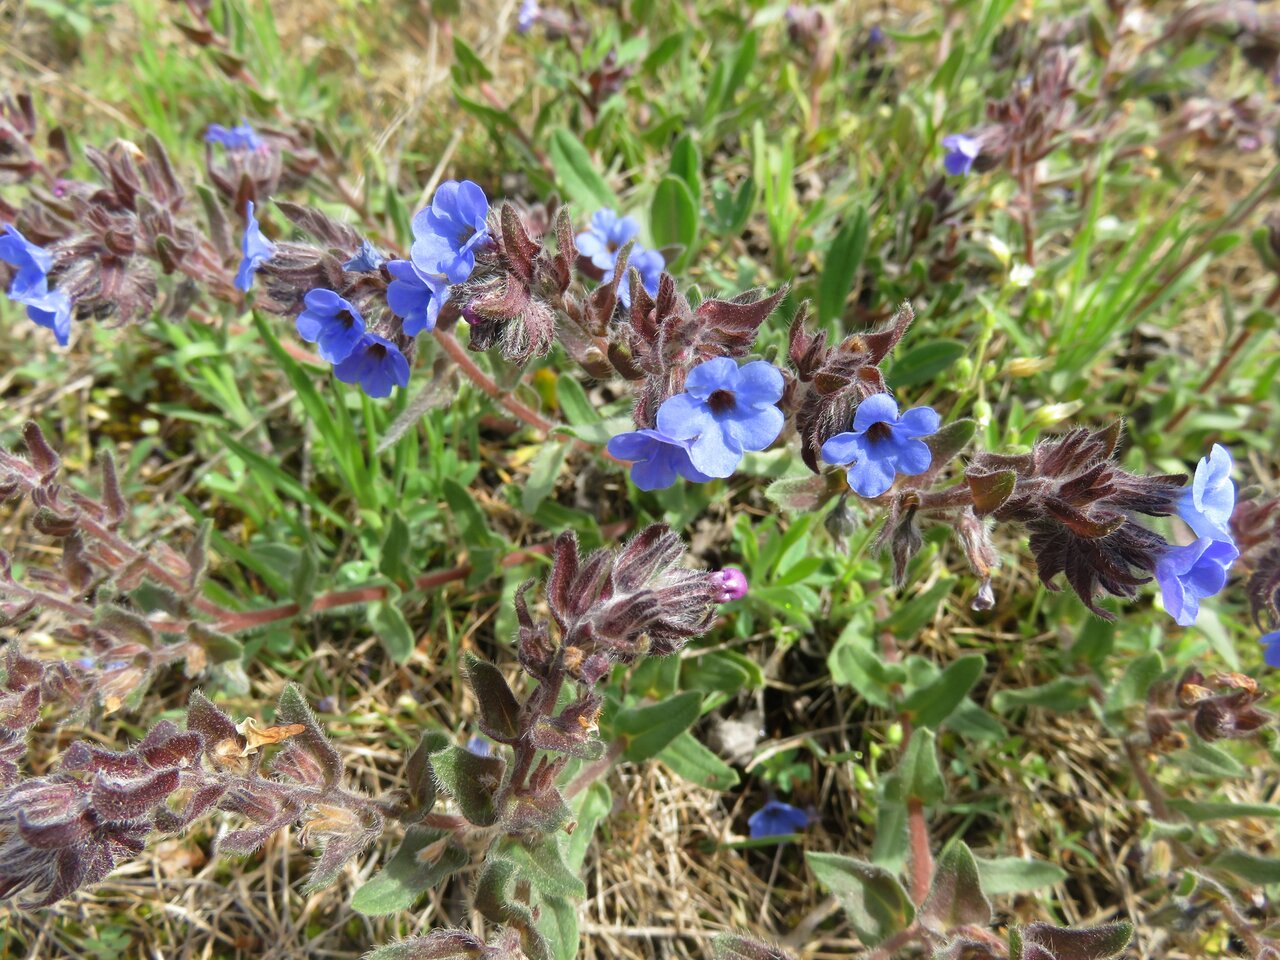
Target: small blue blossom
{"points": [[961, 152], [1208, 503], [52, 309], [882, 444], [366, 258], [602, 241], [255, 248], [528, 16], [480, 746], [33, 263], [414, 298], [1271, 648], [777, 819], [243, 137], [376, 364], [656, 460], [1189, 574], [448, 233], [332, 322], [725, 410]]}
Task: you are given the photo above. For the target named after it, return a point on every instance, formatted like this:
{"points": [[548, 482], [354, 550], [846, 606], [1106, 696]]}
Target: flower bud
{"points": [[733, 584]]}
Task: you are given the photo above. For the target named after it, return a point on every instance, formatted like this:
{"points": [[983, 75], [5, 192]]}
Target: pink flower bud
{"points": [[733, 584]]}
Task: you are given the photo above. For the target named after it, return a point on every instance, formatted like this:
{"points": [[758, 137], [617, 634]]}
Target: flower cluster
{"points": [[30, 284], [603, 241]]}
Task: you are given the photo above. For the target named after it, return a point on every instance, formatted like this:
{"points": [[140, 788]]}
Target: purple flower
{"points": [[332, 322], [1189, 574], [656, 459], [777, 819], [33, 263], [528, 16], [601, 242], [414, 298], [733, 584], [376, 364], [1208, 503], [961, 152], [255, 248], [52, 309], [448, 233], [1271, 652], [882, 444], [366, 258], [725, 410], [243, 137]]}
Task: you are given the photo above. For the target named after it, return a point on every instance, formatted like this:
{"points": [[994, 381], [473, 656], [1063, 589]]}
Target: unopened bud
{"points": [[1053, 413], [733, 584], [1026, 366]]}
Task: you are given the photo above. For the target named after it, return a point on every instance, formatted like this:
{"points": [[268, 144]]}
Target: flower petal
{"points": [[877, 408]]}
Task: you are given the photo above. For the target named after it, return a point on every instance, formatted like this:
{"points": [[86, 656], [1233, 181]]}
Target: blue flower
{"points": [[725, 410], [656, 459], [243, 137], [1208, 503], [448, 233], [33, 263], [1189, 574], [776, 819], [1271, 653], [52, 309], [414, 298], [602, 241], [480, 746], [376, 364], [332, 322], [366, 258], [528, 16], [882, 444], [255, 248], [961, 152]]}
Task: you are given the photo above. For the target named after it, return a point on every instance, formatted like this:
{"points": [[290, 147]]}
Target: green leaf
{"points": [[722, 670], [873, 900], [690, 759], [406, 877], [648, 730], [1207, 810], [841, 266], [799, 493], [467, 515], [542, 864], [499, 709], [558, 922], [1132, 688], [673, 217], [468, 68], [574, 404], [543, 473], [1248, 866], [921, 775], [1004, 875], [577, 174], [914, 615], [395, 548], [471, 780], [393, 630], [924, 363], [686, 163], [1205, 758], [1061, 695], [932, 704], [955, 897], [1087, 943]]}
